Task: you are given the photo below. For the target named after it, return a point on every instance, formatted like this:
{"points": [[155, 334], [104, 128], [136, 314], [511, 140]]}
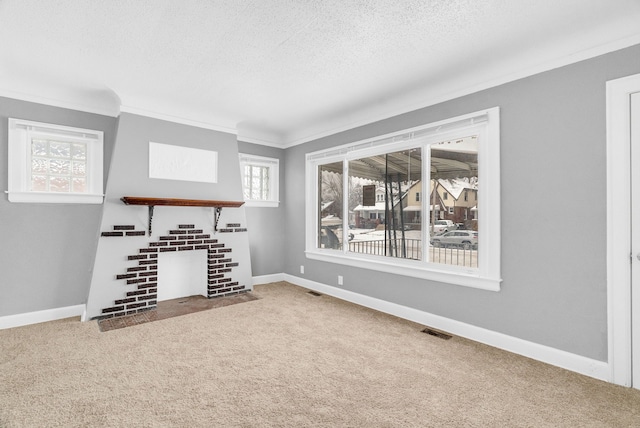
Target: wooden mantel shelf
{"points": [[137, 200], [152, 202]]}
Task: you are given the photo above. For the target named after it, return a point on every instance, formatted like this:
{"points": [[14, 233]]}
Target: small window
{"points": [[450, 210], [417, 196], [54, 164], [260, 180]]}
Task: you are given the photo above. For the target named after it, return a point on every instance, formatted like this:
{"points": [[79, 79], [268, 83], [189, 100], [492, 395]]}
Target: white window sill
{"points": [[263, 204], [55, 198], [463, 277]]}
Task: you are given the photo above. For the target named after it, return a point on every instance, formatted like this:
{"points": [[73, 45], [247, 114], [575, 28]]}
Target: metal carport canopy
{"points": [[402, 167]]}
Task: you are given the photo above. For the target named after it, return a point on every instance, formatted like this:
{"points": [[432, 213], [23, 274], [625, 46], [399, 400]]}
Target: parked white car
{"points": [[467, 239], [440, 226]]}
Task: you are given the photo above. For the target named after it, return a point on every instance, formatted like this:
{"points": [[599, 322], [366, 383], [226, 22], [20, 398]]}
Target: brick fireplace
{"points": [[144, 272], [126, 273], [162, 161]]}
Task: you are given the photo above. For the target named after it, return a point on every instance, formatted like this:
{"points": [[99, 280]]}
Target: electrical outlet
{"points": [[301, 268], [339, 279]]}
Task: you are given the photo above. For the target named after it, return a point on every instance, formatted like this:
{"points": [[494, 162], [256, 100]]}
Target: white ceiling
{"points": [[281, 72]]}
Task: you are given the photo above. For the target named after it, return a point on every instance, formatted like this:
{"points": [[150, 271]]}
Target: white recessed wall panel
{"points": [[171, 162]]}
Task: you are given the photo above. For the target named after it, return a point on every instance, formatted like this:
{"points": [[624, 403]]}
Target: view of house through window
{"points": [[454, 173], [391, 226], [421, 202], [394, 221]]}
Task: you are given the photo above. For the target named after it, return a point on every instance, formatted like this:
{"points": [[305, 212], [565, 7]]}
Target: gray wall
{"points": [[267, 231], [46, 250], [553, 185]]}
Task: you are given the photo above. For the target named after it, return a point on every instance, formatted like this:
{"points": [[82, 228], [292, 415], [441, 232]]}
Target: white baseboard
{"points": [[28, 318], [265, 279], [566, 360]]}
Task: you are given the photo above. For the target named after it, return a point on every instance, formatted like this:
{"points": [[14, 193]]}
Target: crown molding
{"points": [[170, 117], [80, 103]]}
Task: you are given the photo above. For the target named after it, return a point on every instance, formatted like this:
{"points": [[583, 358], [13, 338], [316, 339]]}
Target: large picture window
{"points": [[367, 210]]}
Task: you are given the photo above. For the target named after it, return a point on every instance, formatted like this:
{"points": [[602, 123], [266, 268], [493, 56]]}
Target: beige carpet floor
{"points": [[287, 359]]}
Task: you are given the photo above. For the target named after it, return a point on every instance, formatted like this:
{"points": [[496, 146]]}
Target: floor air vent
{"points": [[438, 334], [313, 293]]}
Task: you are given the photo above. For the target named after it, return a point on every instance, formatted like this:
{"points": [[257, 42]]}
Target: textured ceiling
{"points": [[282, 72]]}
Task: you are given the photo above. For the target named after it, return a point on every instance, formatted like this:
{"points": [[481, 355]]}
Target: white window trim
{"points": [[274, 179], [20, 133], [487, 275]]}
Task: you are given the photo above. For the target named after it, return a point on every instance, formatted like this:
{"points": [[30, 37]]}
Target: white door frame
{"points": [[619, 227]]}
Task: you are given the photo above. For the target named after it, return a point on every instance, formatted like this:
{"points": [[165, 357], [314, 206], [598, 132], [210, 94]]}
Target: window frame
{"points": [[274, 179], [487, 275], [20, 134]]}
